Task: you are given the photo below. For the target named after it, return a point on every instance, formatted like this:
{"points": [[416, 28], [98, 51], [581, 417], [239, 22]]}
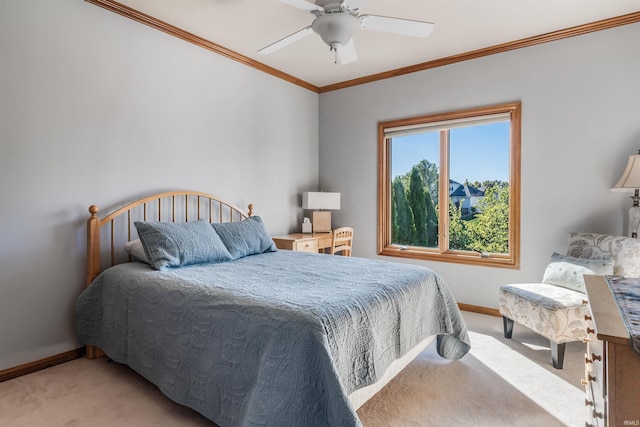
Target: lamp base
{"points": [[634, 221], [321, 221]]}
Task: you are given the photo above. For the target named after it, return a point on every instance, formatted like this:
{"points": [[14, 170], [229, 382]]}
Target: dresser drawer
{"points": [[595, 400], [595, 380], [611, 363], [310, 245]]}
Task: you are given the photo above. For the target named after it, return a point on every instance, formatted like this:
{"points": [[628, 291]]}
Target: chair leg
{"points": [[507, 324], [557, 354]]}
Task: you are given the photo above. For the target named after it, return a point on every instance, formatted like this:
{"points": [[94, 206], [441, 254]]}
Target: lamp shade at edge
{"points": [[320, 200], [630, 178]]}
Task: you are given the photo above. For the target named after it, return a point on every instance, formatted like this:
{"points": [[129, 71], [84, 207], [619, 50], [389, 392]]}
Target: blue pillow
{"points": [[176, 244], [248, 237]]}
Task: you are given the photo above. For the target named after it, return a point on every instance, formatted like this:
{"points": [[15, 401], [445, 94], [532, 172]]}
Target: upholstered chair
{"points": [[557, 307]]}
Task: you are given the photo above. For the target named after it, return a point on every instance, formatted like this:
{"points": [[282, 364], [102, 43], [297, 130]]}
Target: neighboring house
{"points": [[465, 196]]}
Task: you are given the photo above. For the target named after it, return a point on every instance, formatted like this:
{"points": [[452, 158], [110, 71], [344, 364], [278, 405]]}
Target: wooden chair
{"points": [[341, 241]]}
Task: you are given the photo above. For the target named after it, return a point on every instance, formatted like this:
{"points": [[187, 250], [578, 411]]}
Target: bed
{"points": [[245, 334]]}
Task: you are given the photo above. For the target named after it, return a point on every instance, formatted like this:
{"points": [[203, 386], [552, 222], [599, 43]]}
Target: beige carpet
{"points": [[500, 383]]}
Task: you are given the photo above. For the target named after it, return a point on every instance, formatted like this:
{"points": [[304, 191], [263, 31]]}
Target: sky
{"points": [[478, 153]]}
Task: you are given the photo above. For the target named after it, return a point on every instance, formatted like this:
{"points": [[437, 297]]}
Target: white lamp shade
{"points": [[630, 178], [320, 200]]}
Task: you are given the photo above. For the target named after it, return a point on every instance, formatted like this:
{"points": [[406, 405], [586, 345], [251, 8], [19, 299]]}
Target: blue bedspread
{"points": [[276, 339]]}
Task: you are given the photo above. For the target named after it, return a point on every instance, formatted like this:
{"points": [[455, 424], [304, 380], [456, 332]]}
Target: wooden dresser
{"points": [[612, 367]]}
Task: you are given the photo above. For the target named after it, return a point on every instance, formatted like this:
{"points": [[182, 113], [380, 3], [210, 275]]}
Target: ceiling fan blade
{"points": [[407, 27], [286, 41], [304, 5], [347, 53]]}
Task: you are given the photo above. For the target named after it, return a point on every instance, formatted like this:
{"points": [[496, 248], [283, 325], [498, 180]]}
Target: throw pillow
{"points": [[567, 271], [136, 250], [176, 244], [248, 237]]}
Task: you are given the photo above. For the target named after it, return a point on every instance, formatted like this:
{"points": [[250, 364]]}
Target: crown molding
{"points": [[578, 30], [165, 27]]}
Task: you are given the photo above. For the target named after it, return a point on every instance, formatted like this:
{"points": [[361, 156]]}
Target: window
{"points": [[449, 186]]}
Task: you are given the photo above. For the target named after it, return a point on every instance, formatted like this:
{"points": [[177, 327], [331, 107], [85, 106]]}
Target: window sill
{"points": [[489, 260]]}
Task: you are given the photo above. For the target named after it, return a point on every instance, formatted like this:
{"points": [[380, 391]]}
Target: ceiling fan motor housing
{"points": [[331, 6], [335, 28]]}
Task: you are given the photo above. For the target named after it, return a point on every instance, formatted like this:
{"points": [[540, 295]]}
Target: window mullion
{"points": [[443, 193]]}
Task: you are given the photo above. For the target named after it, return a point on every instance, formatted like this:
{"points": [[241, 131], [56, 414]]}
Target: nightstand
{"points": [[304, 242]]}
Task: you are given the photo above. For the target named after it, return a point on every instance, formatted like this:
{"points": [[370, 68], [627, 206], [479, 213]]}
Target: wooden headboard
{"points": [[172, 206]]}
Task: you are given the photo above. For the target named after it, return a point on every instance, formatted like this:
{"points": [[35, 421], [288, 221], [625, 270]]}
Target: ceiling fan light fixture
{"points": [[335, 28], [336, 21]]}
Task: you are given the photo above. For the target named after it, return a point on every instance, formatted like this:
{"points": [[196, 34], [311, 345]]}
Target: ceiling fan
{"points": [[336, 22]]}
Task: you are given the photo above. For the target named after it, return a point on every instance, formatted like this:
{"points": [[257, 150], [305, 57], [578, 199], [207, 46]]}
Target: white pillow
{"points": [[135, 249], [567, 271]]}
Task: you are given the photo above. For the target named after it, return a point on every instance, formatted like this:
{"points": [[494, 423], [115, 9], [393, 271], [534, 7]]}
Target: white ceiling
{"points": [[245, 26]]}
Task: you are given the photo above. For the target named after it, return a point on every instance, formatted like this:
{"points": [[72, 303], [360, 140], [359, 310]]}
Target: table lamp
{"points": [[630, 181], [322, 203]]}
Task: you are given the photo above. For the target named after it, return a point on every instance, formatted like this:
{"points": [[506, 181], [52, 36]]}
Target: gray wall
{"points": [[580, 122], [98, 109]]}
